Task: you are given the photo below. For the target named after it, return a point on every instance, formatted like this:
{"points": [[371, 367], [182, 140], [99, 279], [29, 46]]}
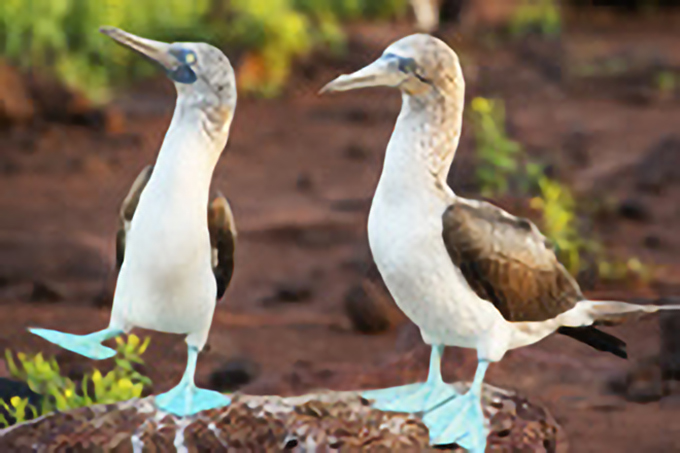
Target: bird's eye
{"points": [[185, 56], [407, 65], [190, 58]]}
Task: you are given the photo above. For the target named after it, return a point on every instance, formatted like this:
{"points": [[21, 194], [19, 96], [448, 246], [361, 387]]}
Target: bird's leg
{"points": [[87, 345], [418, 397], [187, 399], [461, 420]]}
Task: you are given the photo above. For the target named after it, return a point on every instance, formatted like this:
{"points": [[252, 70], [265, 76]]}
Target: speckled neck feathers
{"points": [[425, 139]]}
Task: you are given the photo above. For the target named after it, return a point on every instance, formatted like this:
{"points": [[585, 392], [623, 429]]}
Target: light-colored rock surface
{"points": [[328, 421]]}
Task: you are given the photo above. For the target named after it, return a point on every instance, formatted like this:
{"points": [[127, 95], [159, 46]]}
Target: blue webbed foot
{"points": [[419, 397], [86, 345], [187, 399], [411, 398], [459, 421]]}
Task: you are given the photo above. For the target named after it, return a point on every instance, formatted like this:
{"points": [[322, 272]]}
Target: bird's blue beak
{"points": [[176, 61]]}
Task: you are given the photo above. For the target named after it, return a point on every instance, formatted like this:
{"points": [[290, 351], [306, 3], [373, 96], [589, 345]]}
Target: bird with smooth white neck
{"points": [[466, 272], [170, 278]]}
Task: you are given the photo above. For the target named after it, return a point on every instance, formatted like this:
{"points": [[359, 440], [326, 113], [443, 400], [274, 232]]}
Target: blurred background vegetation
{"points": [[60, 36]]}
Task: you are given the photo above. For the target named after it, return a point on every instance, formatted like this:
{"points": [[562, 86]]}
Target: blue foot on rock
{"points": [[411, 398], [459, 421], [86, 345], [187, 399]]}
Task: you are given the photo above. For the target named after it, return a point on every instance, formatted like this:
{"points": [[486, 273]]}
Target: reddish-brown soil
{"points": [[299, 172]]}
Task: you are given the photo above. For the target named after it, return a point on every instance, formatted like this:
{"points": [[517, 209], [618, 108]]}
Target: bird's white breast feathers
{"points": [[166, 282]]}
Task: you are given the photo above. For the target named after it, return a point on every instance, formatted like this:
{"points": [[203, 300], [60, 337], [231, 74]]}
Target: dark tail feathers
{"points": [[597, 339]]}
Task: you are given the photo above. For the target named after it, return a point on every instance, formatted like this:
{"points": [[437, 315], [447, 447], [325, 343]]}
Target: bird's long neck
{"points": [[423, 144], [190, 151]]}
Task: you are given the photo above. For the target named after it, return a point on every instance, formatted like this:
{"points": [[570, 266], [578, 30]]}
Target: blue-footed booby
{"points": [[174, 249], [466, 272]]}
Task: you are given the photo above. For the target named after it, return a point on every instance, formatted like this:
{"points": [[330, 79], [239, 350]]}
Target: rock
{"points": [[354, 151], [103, 299], [644, 382], [368, 308], [46, 292], [290, 293], [304, 182], [314, 422], [356, 116], [545, 55], [652, 241], [577, 145], [633, 209], [660, 166], [234, 374]]}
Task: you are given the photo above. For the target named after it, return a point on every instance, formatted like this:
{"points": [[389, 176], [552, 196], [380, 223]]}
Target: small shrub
{"points": [[60, 36], [43, 376], [666, 82], [498, 154], [536, 16], [560, 223]]}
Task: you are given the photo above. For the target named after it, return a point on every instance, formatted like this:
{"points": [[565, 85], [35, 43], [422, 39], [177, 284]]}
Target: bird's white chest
{"points": [[166, 281], [408, 248]]}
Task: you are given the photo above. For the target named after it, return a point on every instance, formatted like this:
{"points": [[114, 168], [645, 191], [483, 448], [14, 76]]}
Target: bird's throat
{"points": [[424, 141], [187, 159]]}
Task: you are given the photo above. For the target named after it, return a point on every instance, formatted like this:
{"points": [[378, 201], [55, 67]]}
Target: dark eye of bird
{"points": [[407, 65]]}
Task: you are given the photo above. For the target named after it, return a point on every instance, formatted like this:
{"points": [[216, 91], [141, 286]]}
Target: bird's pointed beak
{"points": [[382, 72], [154, 50]]}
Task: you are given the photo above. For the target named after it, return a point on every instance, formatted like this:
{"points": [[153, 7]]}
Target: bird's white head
{"points": [[202, 74], [419, 65]]}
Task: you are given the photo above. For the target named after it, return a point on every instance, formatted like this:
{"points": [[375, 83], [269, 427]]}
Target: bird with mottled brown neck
{"points": [[467, 273], [428, 129]]}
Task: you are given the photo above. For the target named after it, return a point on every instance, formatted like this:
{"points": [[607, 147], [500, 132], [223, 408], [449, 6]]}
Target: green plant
{"points": [[498, 154], [17, 409], [275, 33], [43, 376], [560, 223], [278, 31], [60, 36], [666, 82], [536, 16]]}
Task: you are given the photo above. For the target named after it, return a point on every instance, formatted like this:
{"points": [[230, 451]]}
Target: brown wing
{"points": [[127, 210], [508, 262], [223, 242]]}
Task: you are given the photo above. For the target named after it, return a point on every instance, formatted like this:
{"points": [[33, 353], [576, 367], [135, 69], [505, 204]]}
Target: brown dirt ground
{"points": [[299, 172]]}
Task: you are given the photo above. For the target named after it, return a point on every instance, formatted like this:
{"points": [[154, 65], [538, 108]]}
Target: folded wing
{"points": [[220, 225]]}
